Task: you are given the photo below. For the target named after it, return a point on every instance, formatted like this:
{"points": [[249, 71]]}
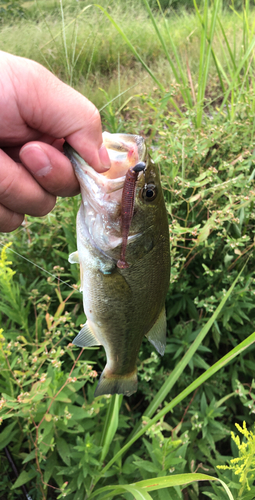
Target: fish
{"points": [[124, 257]]}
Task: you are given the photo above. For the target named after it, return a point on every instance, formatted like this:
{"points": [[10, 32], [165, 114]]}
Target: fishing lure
{"points": [[127, 208]]}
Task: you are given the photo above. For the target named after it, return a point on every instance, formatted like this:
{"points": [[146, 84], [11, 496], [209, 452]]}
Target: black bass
{"points": [[124, 257]]}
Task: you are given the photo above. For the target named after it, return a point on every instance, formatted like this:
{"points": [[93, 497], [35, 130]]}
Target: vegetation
{"points": [[196, 110]]}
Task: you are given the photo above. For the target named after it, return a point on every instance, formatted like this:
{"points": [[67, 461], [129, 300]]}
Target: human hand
{"points": [[37, 112]]}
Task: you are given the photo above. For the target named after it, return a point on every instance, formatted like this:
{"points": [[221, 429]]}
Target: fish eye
{"points": [[149, 192]]}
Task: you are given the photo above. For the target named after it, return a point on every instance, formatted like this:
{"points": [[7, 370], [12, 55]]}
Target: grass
{"points": [[91, 36], [199, 122]]}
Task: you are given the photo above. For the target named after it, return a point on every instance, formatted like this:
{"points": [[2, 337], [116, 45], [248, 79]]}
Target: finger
{"points": [[19, 191], [51, 169], [52, 107], [9, 221], [13, 151]]}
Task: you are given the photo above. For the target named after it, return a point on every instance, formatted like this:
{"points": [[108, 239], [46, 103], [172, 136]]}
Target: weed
{"points": [[64, 442], [244, 465]]}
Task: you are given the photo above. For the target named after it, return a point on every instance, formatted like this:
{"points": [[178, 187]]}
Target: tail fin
{"points": [[117, 384]]}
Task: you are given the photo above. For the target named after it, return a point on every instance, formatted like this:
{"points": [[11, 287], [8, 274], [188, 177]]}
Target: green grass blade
{"points": [[218, 66], [137, 492], [90, 61], [237, 73], [203, 21], [173, 377], [205, 54], [191, 388], [64, 38], [182, 79], [110, 424], [227, 44], [53, 37], [132, 48], [220, 72], [179, 480], [122, 93], [158, 483]]}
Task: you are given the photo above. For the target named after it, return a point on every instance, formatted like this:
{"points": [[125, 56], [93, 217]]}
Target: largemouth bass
{"points": [[124, 257]]}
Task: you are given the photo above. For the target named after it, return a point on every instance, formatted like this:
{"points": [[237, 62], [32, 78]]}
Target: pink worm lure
{"points": [[127, 208]]}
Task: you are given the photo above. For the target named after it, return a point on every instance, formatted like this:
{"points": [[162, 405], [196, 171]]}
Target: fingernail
{"points": [[35, 159], [104, 157]]}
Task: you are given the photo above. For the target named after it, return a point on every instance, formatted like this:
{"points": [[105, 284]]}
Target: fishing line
{"points": [[39, 267]]}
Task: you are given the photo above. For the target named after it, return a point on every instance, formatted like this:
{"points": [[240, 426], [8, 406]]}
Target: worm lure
{"points": [[127, 208]]}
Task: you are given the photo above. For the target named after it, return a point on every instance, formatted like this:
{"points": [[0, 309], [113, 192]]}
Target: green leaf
{"points": [[41, 349], [7, 435], [29, 457], [24, 478], [63, 450], [179, 480], [110, 424], [141, 488], [146, 465], [79, 495], [138, 493], [62, 396], [40, 387], [200, 362], [205, 231], [52, 460], [203, 404]]}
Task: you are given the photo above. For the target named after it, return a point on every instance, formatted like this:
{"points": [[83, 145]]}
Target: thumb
{"points": [[50, 106]]}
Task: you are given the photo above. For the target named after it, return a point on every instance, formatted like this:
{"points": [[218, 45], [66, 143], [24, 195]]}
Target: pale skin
{"points": [[37, 113]]}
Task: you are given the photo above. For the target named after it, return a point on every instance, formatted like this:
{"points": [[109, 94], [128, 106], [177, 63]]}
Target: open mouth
{"points": [[124, 151]]}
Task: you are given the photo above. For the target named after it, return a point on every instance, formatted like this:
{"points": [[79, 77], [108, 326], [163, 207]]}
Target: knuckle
{"points": [[95, 117], [6, 187], [44, 207], [9, 221]]}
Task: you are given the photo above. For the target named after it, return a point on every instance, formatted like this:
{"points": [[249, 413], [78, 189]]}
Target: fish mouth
{"points": [[102, 192], [125, 151]]}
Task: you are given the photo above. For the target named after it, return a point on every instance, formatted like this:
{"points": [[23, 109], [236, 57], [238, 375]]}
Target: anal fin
{"points": [[157, 334], [86, 338]]}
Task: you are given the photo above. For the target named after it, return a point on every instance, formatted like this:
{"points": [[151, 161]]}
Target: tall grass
{"points": [[81, 46], [203, 65], [193, 87]]}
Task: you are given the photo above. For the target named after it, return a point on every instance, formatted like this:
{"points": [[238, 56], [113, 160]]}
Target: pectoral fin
{"points": [[157, 334], [86, 337], [74, 258]]}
